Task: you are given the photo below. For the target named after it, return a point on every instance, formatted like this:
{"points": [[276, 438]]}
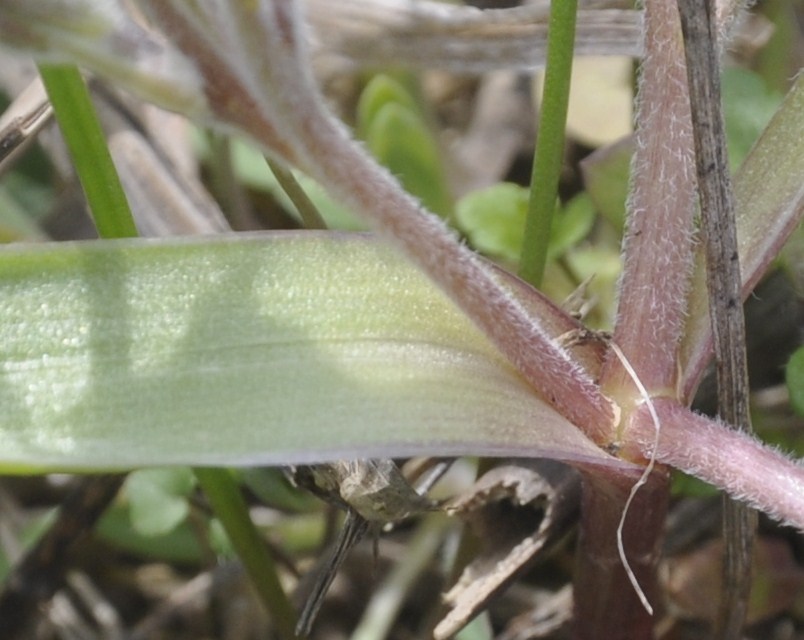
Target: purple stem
{"points": [[606, 604], [356, 180], [659, 242], [735, 462], [276, 101]]}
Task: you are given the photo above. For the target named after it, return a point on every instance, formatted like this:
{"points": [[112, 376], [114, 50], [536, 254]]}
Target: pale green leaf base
{"points": [[246, 350]]}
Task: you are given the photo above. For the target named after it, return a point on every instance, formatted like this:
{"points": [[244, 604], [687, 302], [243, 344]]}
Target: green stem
{"points": [[229, 506], [550, 140], [311, 218], [82, 132]]}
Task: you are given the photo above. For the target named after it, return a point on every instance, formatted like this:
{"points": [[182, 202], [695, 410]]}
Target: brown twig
{"points": [[354, 529], [699, 26]]}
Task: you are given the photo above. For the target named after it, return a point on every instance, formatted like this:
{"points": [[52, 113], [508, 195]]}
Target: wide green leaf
{"points": [[245, 350]]}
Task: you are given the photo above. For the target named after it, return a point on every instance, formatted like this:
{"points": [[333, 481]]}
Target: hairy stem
{"points": [[658, 247], [349, 173], [425, 239], [730, 460], [280, 106]]}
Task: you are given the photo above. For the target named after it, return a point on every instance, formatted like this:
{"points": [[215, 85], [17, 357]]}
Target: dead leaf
{"points": [[517, 510]]}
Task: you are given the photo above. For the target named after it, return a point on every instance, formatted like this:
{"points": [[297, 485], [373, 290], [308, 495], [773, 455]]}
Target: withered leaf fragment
{"points": [[516, 509]]}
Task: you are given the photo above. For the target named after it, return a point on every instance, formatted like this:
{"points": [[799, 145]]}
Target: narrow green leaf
{"points": [[249, 350], [769, 203], [81, 129]]}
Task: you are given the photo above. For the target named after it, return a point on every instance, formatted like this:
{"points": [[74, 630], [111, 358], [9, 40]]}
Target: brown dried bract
{"points": [[517, 510]]}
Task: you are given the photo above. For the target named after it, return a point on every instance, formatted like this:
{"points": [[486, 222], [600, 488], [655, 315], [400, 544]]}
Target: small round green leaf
{"points": [[158, 499], [494, 218]]}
